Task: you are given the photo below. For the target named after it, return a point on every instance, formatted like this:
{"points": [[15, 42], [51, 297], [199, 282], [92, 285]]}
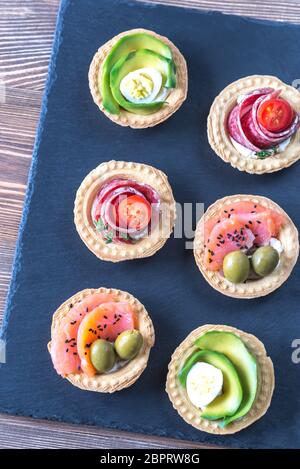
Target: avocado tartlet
{"points": [[138, 78], [220, 379]]}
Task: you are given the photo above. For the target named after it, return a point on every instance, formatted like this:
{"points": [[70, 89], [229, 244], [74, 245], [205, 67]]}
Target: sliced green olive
{"points": [[103, 356], [264, 260], [128, 344], [236, 267]]}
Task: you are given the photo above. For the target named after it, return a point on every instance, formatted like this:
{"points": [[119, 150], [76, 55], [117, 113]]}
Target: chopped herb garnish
{"points": [[265, 153], [100, 225], [124, 236]]}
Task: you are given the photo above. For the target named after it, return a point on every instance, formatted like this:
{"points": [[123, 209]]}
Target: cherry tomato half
{"points": [[275, 115], [134, 212]]}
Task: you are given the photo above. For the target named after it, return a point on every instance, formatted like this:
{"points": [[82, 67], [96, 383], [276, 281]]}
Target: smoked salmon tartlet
{"points": [[124, 210], [246, 246], [254, 124], [101, 339]]}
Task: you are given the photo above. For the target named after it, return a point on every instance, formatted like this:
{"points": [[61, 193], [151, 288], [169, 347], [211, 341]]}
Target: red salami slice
{"points": [[243, 125], [236, 131], [260, 141], [109, 207], [236, 119], [106, 204]]}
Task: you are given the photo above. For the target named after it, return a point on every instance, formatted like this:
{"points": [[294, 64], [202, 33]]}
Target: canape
{"points": [[246, 246], [101, 339], [220, 379], [254, 123], [124, 210], [138, 78]]}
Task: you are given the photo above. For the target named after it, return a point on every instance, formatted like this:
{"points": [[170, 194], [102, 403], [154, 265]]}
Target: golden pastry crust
{"points": [[178, 395], [129, 373], [218, 136], [175, 99], [252, 288], [87, 192]]}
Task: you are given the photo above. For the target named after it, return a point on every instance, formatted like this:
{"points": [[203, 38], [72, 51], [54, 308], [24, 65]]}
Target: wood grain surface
{"points": [[26, 34]]}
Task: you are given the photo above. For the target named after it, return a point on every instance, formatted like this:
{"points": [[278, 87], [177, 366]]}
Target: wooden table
{"points": [[26, 33]]}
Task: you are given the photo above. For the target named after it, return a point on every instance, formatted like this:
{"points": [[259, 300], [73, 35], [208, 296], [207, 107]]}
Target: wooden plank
{"points": [[26, 34], [22, 432]]}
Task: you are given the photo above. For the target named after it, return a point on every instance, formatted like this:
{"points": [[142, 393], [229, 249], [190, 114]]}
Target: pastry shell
{"points": [[175, 99], [178, 395], [130, 372], [252, 288], [218, 136], [87, 192]]}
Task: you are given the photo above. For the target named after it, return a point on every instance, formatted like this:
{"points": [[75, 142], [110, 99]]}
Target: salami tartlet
{"points": [[138, 78], [220, 379], [253, 124], [124, 210], [246, 246], [101, 339]]}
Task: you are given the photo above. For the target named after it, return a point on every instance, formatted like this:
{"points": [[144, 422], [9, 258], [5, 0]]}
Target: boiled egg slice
{"points": [[142, 85], [203, 384]]}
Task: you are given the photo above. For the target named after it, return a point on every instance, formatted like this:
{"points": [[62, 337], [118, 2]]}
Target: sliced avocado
{"points": [[122, 48], [133, 61], [229, 401], [244, 362]]}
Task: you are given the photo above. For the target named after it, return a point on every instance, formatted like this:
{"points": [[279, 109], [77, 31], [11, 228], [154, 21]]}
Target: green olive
{"points": [[264, 260], [128, 344], [103, 356], [236, 267]]}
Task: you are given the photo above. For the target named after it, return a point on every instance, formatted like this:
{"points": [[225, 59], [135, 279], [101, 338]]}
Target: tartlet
{"points": [[174, 100], [111, 381], [135, 173], [255, 287], [218, 132], [191, 414]]}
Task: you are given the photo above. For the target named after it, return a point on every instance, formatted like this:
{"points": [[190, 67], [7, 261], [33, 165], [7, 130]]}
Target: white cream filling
{"points": [[252, 154]]}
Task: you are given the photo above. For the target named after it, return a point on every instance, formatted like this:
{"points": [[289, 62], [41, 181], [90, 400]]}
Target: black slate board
{"points": [[52, 263]]}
